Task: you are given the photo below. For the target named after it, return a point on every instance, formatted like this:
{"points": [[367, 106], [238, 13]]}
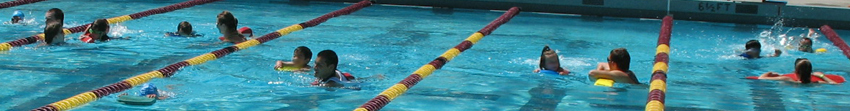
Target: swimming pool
{"points": [[394, 41]]}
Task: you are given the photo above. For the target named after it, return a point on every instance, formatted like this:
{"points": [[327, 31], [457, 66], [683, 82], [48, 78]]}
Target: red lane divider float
{"points": [[17, 2], [391, 93], [169, 70], [836, 40], [658, 83], [33, 39]]}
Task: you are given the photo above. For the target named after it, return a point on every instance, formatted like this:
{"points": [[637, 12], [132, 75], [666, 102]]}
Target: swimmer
{"points": [[17, 16], [226, 24], [300, 58], [150, 91], [326, 72], [53, 34], [616, 69], [184, 29], [806, 45], [549, 61], [96, 32], [753, 48], [803, 70]]}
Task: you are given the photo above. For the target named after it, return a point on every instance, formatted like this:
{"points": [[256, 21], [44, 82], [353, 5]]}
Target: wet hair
{"points": [[101, 25], [53, 24], [54, 15], [184, 28], [808, 39], [305, 51], [803, 69], [328, 57], [226, 18], [622, 58], [543, 57], [753, 44]]}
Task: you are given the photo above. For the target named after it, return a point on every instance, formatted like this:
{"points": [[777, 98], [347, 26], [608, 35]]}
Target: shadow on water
{"points": [[452, 94], [399, 34], [304, 102], [115, 74], [764, 98], [546, 96]]}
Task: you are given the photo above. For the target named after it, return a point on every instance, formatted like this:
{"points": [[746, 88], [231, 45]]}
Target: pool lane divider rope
{"points": [[17, 2], [396, 90], [658, 83], [33, 39], [836, 40], [169, 70]]}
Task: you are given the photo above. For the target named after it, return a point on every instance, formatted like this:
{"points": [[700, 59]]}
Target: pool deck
{"points": [[793, 13]]}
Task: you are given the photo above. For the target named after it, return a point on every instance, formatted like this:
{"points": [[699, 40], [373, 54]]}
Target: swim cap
{"points": [[18, 14], [148, 88]]}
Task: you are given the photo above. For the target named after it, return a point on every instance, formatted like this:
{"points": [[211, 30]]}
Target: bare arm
{"points": [[821, 76], [774, 76], [563, 71], [617, 76]]}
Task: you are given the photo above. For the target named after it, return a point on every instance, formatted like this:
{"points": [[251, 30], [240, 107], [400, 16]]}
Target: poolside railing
{"points": [[17, 2], [394, 91], [658, 83], [33, 39], [169, 70], [836, 40]]}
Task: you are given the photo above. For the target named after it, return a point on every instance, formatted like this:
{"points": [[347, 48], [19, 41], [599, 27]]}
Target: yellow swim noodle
{"points": [[604, 82], [287, 68], [821, 50]]}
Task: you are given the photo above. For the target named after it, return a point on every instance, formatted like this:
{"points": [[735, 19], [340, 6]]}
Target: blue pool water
{"points": [[391, 42]]}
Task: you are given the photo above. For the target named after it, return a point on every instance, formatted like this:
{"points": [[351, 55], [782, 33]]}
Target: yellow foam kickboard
{"points": [[604, 82]]}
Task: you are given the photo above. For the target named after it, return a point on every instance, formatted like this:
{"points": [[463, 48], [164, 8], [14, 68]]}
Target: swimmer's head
{"points": [[98, 29], [549, 59], [54, 15], [621, 58], [226, 22], [184, 28], [803, 69], [17, 16], [753, 44], [147, 89], [302, 55], [325, 65], [806, 41]]}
